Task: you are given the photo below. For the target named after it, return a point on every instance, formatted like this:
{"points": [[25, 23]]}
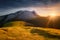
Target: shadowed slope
{"points": [[44, 33]]}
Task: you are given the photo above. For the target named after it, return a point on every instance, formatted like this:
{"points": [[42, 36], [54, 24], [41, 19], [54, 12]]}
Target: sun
{"points": [[52, 18], [52, 15]]}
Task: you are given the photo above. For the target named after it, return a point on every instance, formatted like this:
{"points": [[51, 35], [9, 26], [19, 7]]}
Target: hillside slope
{"points": [[18, 31]]}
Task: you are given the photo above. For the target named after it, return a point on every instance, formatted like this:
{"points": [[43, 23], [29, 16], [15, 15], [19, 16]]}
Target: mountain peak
{"points": [[19, 15]]}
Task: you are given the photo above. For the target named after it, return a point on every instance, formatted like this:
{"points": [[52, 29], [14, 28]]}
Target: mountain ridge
{"points": [[19, 15], [30, 17]]}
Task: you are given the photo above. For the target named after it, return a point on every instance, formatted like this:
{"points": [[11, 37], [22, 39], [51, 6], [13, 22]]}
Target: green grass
{"points": [[8, 24]]}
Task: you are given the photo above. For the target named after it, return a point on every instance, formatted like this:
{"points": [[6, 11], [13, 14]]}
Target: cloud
{"points": [[7, 5], [25, 3]]}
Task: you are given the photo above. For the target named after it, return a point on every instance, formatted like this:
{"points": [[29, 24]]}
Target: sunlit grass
{"points": [[18, 31]]}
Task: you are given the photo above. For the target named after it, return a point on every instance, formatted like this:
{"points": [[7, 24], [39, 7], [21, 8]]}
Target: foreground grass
{"points": [[18, 31]]}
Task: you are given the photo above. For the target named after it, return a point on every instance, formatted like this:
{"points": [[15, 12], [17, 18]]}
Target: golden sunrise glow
{"points": [[51, 11], [53, 15]]}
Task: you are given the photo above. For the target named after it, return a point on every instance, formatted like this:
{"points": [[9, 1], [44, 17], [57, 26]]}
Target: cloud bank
{"points": [[6, 5]]}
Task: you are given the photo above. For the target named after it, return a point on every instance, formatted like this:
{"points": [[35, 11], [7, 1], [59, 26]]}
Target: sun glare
{"points": [[52, 15]]}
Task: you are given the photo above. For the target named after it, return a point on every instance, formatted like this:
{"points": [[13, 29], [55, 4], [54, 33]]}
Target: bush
{"points": [[8, 24]]}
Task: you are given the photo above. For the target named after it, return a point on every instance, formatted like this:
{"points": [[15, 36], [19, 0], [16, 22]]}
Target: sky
{"points": [[42, 7]]}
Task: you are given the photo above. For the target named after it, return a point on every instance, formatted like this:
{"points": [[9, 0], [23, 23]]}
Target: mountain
{"points": [[30, 17], [27, 16], [19, 15]]}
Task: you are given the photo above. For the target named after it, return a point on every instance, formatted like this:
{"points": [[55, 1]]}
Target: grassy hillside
{"points": [[19, 31]]}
